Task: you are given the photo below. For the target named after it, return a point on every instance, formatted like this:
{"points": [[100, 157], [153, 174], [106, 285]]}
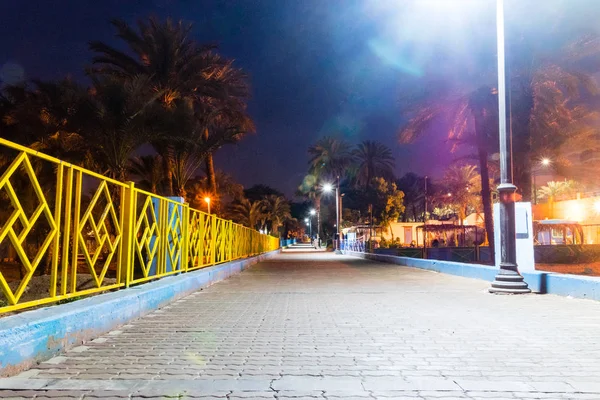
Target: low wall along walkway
{"points": [[538, 281]]}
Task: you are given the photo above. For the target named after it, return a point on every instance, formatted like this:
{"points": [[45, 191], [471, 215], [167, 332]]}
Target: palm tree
{"points": [[46, 117], [413, 187], [149, 170], [121, 119], [554, 189], [329, 157], [373, 159], [188, 76], [229, 190], [277, 211], [223, 108], [462, 183], [248, 213]]}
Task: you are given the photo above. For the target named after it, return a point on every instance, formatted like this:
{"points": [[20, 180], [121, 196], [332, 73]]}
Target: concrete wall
{"points": [[539, 282], [34, 336]]}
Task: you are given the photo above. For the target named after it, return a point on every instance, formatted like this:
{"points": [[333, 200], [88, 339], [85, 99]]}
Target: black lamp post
{"points": [[508, 280]]}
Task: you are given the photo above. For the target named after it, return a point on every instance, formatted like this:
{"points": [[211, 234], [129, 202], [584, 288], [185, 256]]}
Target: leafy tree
{"points": [[392, 202]]}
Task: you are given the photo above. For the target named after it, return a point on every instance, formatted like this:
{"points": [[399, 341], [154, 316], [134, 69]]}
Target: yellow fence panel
{"points": [[77, 232]]}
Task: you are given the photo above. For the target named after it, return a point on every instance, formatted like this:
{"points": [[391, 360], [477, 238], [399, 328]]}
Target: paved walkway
{"points": [[317, 325]]}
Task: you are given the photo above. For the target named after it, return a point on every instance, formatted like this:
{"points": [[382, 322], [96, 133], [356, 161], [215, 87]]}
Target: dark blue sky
{"points": [[317, 67]]}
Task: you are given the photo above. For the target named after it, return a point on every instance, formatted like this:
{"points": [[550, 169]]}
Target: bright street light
{"points": [[207, 200], [544, 162], [327, 187], [313, 212]]}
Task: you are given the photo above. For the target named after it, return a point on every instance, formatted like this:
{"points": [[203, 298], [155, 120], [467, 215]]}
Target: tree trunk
{"points": [[486, 199], [210, 174], [168, 167], [478, 111], [521, 109], [210, 168]]}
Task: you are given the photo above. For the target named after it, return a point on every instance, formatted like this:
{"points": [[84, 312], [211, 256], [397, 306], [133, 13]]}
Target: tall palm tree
{"points": [[413, 187], [277, 211], [189, 76], [222, 108], [329, 157], [373, 159], [248, 213]]}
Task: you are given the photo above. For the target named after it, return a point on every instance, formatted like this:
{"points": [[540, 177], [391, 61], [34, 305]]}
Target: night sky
{"points": [[317, 67]]}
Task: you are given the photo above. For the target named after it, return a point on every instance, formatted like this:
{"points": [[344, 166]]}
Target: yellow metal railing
{"points": [[88, 233]]}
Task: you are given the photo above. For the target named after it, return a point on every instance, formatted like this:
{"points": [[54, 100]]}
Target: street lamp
{"points": [[544, 162], [508, 280], [328, 188], [309, 223], [207, 200]]}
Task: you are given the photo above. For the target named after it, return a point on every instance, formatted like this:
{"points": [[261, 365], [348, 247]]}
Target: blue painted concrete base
{"points": [[539, 282], [34, 336]]}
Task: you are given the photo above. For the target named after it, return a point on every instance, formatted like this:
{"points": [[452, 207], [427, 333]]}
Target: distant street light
{"points": [[544, 162], [328, 188], [207, 200]]}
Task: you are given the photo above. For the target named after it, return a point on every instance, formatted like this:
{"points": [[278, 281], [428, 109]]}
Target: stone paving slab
{"points": [[317, 325]]}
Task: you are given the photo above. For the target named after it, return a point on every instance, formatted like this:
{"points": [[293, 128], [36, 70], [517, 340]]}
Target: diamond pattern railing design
{"points": [[90, 234]]}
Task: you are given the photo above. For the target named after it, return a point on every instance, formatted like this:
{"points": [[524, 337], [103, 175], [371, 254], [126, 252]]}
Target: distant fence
{"points": [[287, 242], [352, 245], [479, 254], [567, 254], [88, 233]]}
